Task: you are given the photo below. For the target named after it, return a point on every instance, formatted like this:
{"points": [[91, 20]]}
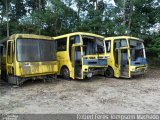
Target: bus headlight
{"points": [[133, 69]]}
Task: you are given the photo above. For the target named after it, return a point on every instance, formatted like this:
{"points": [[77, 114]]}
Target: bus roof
{"points": [[78, 33], [15, 36], [122, 37]]}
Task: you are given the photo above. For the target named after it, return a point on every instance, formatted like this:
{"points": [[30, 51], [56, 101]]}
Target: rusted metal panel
{"points": [[33, 68]]}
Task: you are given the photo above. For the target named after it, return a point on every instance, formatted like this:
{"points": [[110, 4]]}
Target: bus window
{"points": [[89, 45], [73, 40], [61, 43], [137, 50], [100, 46], [77, 39], [123, 43], [45, 47], [108, 46], [117, 44], [120, 43], [32, 50]]}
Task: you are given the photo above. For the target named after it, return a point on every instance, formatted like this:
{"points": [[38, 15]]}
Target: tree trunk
{"points": [[96, 4], [78, 15], [39, 9], [130, 17], [124, 7], [7, 18]]}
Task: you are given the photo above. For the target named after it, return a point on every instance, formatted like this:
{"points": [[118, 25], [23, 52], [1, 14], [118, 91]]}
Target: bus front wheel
{"points": [[109, 73], [65, 72]]}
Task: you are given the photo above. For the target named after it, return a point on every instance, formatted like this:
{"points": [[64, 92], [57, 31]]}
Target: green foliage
{"points": [[153, 51], [56, 17]]}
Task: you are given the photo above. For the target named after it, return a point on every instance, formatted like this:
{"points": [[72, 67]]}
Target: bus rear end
{"points": [[30, 57]]}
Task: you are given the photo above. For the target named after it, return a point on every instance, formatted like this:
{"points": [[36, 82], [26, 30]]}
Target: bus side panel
{"points": [[112, 59], [64, 60], [27, 69]]}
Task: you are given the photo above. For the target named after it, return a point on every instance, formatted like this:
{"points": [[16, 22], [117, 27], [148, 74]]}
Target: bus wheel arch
{"points": [[65, 72], [109, 73]]}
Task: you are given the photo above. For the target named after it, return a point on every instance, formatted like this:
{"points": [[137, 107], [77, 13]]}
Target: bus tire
{"points": [[109, 73], [65, 73]]}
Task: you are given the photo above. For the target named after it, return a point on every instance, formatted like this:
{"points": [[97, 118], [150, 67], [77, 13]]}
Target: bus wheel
{"points": [[109, 73], [65, 73]]}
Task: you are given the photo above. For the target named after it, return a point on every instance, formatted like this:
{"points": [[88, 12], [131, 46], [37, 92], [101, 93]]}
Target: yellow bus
{"points": [[78, 55], [28, 56], [126, 57]]}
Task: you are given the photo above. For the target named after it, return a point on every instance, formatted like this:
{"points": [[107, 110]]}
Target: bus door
{"points": [[77, 61], [123, 62], [9, 57]]}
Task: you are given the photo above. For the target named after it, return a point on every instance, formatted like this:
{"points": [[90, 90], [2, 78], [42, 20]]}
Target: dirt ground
{"points": [[98, 95]]}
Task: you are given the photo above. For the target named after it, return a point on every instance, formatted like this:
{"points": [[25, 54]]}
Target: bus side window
{"points": [[108, 46], [61, 44]]}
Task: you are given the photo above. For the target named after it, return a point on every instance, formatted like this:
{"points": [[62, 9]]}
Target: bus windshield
{"points": [[136, 49], [92, 45], [35, 50]]}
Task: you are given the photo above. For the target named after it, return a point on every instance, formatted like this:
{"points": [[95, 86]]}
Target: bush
{"points": [[153, 52]]}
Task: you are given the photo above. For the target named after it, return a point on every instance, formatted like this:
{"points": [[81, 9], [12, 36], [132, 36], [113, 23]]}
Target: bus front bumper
{"points": [[139, 71], [90, 71]]}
